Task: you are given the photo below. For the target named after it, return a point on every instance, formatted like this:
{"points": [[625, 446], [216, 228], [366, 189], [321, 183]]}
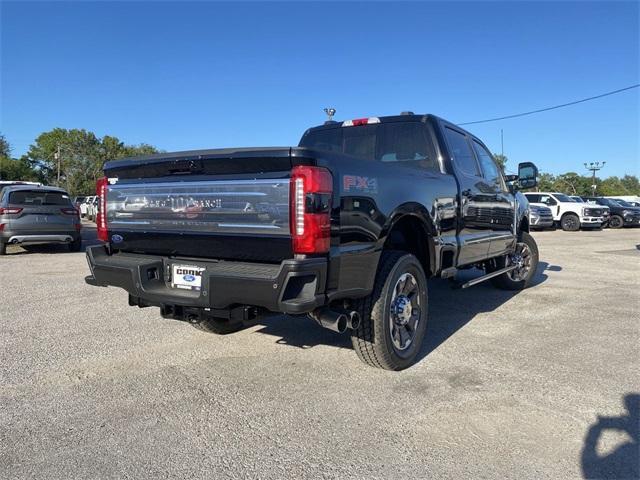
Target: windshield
{"points": [[577, 199], [562, 197], [623, 203], [607, 201]]}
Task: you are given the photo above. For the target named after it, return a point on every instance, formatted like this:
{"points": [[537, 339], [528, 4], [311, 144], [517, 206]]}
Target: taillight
{"points": [[311, 191], [10, 211], [69, 211], [101, 219]]}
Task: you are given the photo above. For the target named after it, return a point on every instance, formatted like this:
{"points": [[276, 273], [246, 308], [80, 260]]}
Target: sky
{"points": [[182, 75]]}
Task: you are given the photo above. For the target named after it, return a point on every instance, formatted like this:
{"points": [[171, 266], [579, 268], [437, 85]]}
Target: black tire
{"points": [[3, 248], [219, 326], [616, 221], [505, 281], [372, 340], [76, 245], [570, 222]]}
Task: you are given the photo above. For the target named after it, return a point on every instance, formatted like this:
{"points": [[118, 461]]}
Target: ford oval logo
{"points": [[116, 238], [189, 278]]}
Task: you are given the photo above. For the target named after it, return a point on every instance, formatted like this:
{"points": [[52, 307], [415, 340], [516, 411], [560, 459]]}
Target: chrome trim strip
{"points": [[488, 238], [40, 238]]}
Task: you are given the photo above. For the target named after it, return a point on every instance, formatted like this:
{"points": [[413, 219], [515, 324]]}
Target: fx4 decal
{"points": [[353, 183]]}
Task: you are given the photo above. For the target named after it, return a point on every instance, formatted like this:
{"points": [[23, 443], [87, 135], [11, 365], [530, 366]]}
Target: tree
{"points": [[5, 148], [14, 169], [501, 160], [612, 186], [546, 182], [572, 184], [631, 184], [82, 156]]}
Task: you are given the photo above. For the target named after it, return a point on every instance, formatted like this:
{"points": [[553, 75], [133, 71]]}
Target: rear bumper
{"points": [[293, 286], [18, 238]]}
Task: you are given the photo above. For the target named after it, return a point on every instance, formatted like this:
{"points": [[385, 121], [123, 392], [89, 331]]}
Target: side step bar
{"points": [[488, 276]]}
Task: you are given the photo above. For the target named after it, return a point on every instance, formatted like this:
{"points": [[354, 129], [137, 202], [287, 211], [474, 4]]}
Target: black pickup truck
{"points": [[346, 228]]}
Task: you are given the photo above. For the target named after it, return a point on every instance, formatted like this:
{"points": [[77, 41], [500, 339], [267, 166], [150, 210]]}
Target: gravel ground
{"points": [[510, 385]]}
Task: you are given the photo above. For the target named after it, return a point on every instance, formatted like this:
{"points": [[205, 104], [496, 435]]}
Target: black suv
{"points": [[621, 215]]}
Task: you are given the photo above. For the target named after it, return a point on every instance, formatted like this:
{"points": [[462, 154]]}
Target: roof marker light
{"points": [[356, 122]]}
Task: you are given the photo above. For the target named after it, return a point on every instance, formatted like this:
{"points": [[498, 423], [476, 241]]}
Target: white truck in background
{"points": [[568, 214]]}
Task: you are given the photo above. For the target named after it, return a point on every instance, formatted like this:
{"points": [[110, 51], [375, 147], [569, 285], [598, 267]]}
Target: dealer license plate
{"points": [[187, 277]]}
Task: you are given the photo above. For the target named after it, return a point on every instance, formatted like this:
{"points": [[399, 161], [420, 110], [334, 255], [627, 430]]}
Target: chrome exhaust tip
{"points": [[353, 320], [331, 320]]}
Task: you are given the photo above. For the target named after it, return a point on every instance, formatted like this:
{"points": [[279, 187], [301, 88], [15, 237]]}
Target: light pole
{"points": [[57, 157], [594, 167]]}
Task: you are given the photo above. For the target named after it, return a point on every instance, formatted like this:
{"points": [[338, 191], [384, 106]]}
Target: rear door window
{"points": [[461, 151], [38, 197]]}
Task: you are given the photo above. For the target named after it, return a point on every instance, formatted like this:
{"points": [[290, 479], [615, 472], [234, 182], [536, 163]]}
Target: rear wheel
{"points": [[616, 221], [219, 326], [570, 222], [394, 316], [525, 257]]}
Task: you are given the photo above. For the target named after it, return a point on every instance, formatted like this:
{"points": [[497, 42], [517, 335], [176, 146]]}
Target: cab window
{"points": [[547, 200], [406, 142], [488, 166], [461, 151]]}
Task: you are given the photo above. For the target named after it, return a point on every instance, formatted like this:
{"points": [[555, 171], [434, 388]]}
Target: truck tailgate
{"points": [[202, 205]]}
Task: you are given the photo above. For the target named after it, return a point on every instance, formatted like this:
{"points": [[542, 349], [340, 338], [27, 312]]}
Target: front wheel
{"points": [[394, 316], [616, 221], [570, 222], [525, 257]]}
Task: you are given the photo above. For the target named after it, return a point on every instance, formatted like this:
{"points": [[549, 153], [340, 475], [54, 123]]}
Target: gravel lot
{"points": [[509, 386]]}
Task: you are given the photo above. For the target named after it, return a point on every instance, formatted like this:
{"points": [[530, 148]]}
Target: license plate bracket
{"points": [[187, 277]]}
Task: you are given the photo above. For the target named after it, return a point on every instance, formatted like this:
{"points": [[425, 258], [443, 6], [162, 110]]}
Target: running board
{"points": [[488, 276]]}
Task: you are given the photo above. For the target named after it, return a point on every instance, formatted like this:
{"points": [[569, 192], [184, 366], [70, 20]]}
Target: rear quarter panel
{"points": [[369, 198]]}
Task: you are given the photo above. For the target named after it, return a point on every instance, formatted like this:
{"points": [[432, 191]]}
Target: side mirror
{"points": [[527, 175]]}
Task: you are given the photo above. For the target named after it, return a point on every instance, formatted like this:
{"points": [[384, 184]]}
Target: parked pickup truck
{"points": [[346, 228], [569, 214], [622, 214]]}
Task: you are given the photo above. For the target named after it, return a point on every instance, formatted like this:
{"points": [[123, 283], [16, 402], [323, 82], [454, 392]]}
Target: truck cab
{"points": [[346, 228], [567, 213]]}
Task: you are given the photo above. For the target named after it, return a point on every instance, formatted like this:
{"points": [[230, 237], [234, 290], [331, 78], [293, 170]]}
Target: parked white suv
{"points": [[566, 212], [90, 208]]}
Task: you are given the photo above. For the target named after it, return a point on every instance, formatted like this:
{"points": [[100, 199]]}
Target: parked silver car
{"points": [[35, 215], [540, 217]]}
